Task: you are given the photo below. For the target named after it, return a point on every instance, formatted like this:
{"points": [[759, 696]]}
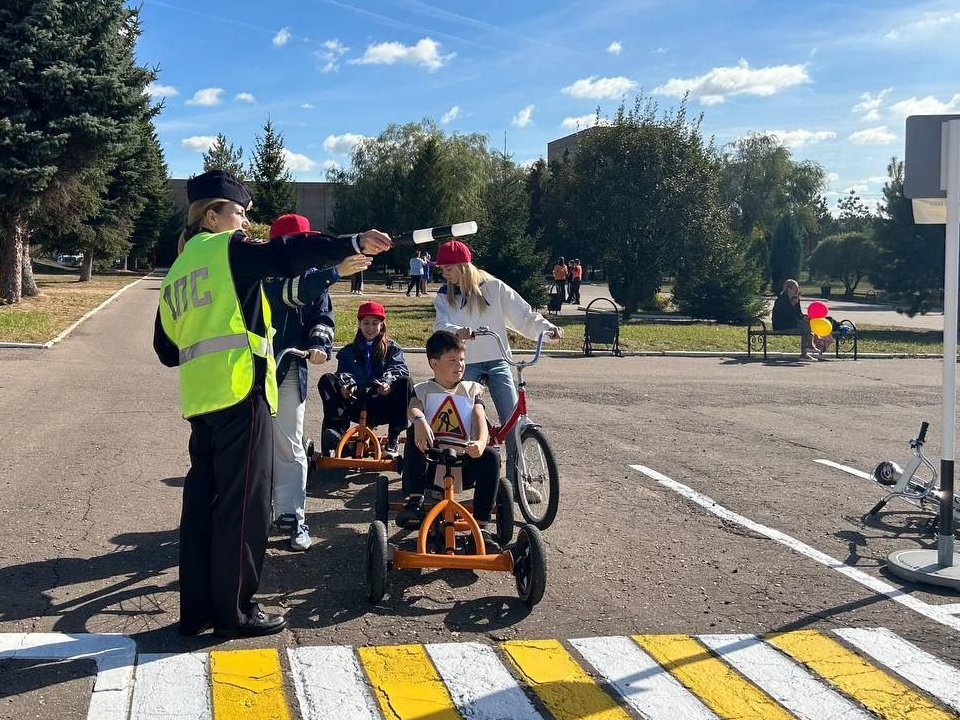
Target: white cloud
{"points": [[832, 177], [873, 136], [615, 47], [333, 51], [929, 24], [722, 82], [892, 35], [245, 97], [331, 165], [154, 90], [581, 122], [342, 144], [877, 180], [799, 138], [600, 87], [307, 106], [426, 53], [208, 97], [297, 162], [282, 37], [870, 105], [660, 50], [858, 188], [450, 115], [524, 117], [198, 143], [926, 106], [527, 164]]}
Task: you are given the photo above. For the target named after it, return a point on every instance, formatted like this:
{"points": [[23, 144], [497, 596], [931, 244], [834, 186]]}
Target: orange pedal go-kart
{"points": [[360, 448], [437, 543]]}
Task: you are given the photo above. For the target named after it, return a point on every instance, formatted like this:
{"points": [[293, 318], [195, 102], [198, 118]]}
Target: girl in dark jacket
{"points": [[372, 358]]}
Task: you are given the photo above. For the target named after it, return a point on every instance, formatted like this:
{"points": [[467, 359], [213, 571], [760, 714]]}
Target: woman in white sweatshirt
{"points": [[472, 298]]}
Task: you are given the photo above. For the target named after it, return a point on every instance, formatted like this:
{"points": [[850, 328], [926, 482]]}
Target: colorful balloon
{"points": [[821, 327], [817, 310]]}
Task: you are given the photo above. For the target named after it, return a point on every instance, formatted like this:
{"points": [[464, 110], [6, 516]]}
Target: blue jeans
{"points": [[504, 394]]}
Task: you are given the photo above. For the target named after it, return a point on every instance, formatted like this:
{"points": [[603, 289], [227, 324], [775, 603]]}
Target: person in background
{"points": [[416, 273], [356, 283], [214, 324], [560, 278], [576, 275], [425, 276], [302, 318], [787, 316]]}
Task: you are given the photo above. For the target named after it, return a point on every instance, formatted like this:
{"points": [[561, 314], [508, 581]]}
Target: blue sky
{"points": [[836, 79]]}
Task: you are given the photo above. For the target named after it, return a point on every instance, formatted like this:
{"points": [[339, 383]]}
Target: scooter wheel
{"points": [[530, 565], [885, 474], [376, 561]]}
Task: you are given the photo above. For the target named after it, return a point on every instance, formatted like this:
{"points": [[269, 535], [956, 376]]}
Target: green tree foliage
{"points": [[536, 183], [848, 257], [71, 98], [909, 256], [272, 182], [785, 251], [224, 156], [853, 215], [504, 247], [158, 216]]}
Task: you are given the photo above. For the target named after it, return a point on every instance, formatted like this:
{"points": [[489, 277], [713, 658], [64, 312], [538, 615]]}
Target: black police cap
{"points": [[218, 184]]}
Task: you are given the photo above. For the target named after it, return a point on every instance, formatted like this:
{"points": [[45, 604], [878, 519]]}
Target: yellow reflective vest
{"points": [[201, 314]]}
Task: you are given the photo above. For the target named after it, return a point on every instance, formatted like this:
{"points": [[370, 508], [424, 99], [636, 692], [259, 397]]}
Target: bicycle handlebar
{"points": [[922, 437], [296, 352], [505, 352]]}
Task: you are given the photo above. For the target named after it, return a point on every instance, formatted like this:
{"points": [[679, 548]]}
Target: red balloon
{"points": [[817, 309]]}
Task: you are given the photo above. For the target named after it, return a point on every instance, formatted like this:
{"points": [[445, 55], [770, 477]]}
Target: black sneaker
{"points": [[412, 514], [392, 447], [329, 440], [490, 543], [286, 523]]}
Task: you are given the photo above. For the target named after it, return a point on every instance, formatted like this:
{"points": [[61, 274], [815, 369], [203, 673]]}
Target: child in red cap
{"points": [[372, 359], [302, 316]]}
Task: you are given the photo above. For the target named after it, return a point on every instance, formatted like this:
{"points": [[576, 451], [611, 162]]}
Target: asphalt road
{"points": [[93, 453]]}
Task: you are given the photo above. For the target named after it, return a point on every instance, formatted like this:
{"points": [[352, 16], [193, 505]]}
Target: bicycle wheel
{"points": [[538, 491]]}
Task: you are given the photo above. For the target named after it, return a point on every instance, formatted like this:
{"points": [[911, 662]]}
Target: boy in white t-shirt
{"points": [[448, 406]]}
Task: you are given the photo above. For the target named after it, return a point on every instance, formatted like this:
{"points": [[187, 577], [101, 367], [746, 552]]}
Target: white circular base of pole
{"points": [[923, 566]]}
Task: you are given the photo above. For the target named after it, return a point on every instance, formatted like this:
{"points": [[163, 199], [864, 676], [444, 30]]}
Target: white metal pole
{"points": [[949, 401]]}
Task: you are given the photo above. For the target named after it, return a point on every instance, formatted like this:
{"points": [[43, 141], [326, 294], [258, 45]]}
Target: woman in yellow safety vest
{"points": [[213, 323]]}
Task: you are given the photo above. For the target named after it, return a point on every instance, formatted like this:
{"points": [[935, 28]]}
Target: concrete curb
{"points": [[66, 333], [709, 354]]}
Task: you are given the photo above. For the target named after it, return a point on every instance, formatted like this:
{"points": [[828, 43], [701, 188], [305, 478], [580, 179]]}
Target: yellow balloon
{"points": [[821, 327]]}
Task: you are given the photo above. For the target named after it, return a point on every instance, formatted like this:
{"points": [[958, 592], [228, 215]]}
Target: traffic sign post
{"points": [[932, 181]]}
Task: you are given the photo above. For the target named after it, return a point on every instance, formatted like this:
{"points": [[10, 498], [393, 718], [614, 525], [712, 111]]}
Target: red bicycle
{"points": [[536, 480]]}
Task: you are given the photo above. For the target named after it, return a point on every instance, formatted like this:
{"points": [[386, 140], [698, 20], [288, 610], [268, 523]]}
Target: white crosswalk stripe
{"points": [[331, 684], [172, 686]]}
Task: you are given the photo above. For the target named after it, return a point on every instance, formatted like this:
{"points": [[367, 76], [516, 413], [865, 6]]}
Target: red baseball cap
{"points": [[371, 309], [289, 225], [453, 253]]}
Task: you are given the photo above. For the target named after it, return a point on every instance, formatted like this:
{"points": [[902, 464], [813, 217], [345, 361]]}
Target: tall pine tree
{"points": [[272, 182], [68, 96], [224, 156], [786, 250]]}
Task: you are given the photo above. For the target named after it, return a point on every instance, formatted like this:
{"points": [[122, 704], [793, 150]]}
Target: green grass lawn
{"points": [[410, 322]]}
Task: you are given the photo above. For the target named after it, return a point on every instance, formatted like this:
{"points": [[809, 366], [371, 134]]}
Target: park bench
{"points": [[844, 338]]}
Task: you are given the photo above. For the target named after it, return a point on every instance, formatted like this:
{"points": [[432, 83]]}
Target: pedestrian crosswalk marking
{"points": [[845, 674], [406, 684], [247, 684], [565, 688], [878, 691], [721, 688]]}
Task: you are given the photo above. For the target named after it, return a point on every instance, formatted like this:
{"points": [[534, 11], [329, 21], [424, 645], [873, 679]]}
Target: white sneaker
{"points": [[300, 538], [532, 495]]}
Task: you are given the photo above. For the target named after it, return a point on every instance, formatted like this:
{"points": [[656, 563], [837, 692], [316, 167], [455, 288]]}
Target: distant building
{"points": [[568, 144], [314, 200]]}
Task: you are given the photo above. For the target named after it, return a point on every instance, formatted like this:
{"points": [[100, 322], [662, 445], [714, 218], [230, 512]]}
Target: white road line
{"points": [[331, 684], [115, 656], [782, 679], [952, 608], [645, 686], [896, 594], [481, 687], [846, 469], [906, 659], [172, 686]]}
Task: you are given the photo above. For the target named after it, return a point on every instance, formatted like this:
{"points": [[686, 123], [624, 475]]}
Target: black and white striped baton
{"points": [[441, 232]]}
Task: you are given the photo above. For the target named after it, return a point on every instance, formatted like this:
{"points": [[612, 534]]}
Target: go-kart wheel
{"points": [[376, 561], [381, 508], [530, 565], [504, 512]]}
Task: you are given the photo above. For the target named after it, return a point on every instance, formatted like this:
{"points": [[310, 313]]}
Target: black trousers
{"points": [[390, 410], [414, 283], [562, 290], [225, 520], [356, 282], [480, 473]]}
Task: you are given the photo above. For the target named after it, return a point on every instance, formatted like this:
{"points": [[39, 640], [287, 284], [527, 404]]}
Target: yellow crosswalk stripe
{"points": [[247, 684], [406, 684], [719, 686], [565, 688], [877, 690]]}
